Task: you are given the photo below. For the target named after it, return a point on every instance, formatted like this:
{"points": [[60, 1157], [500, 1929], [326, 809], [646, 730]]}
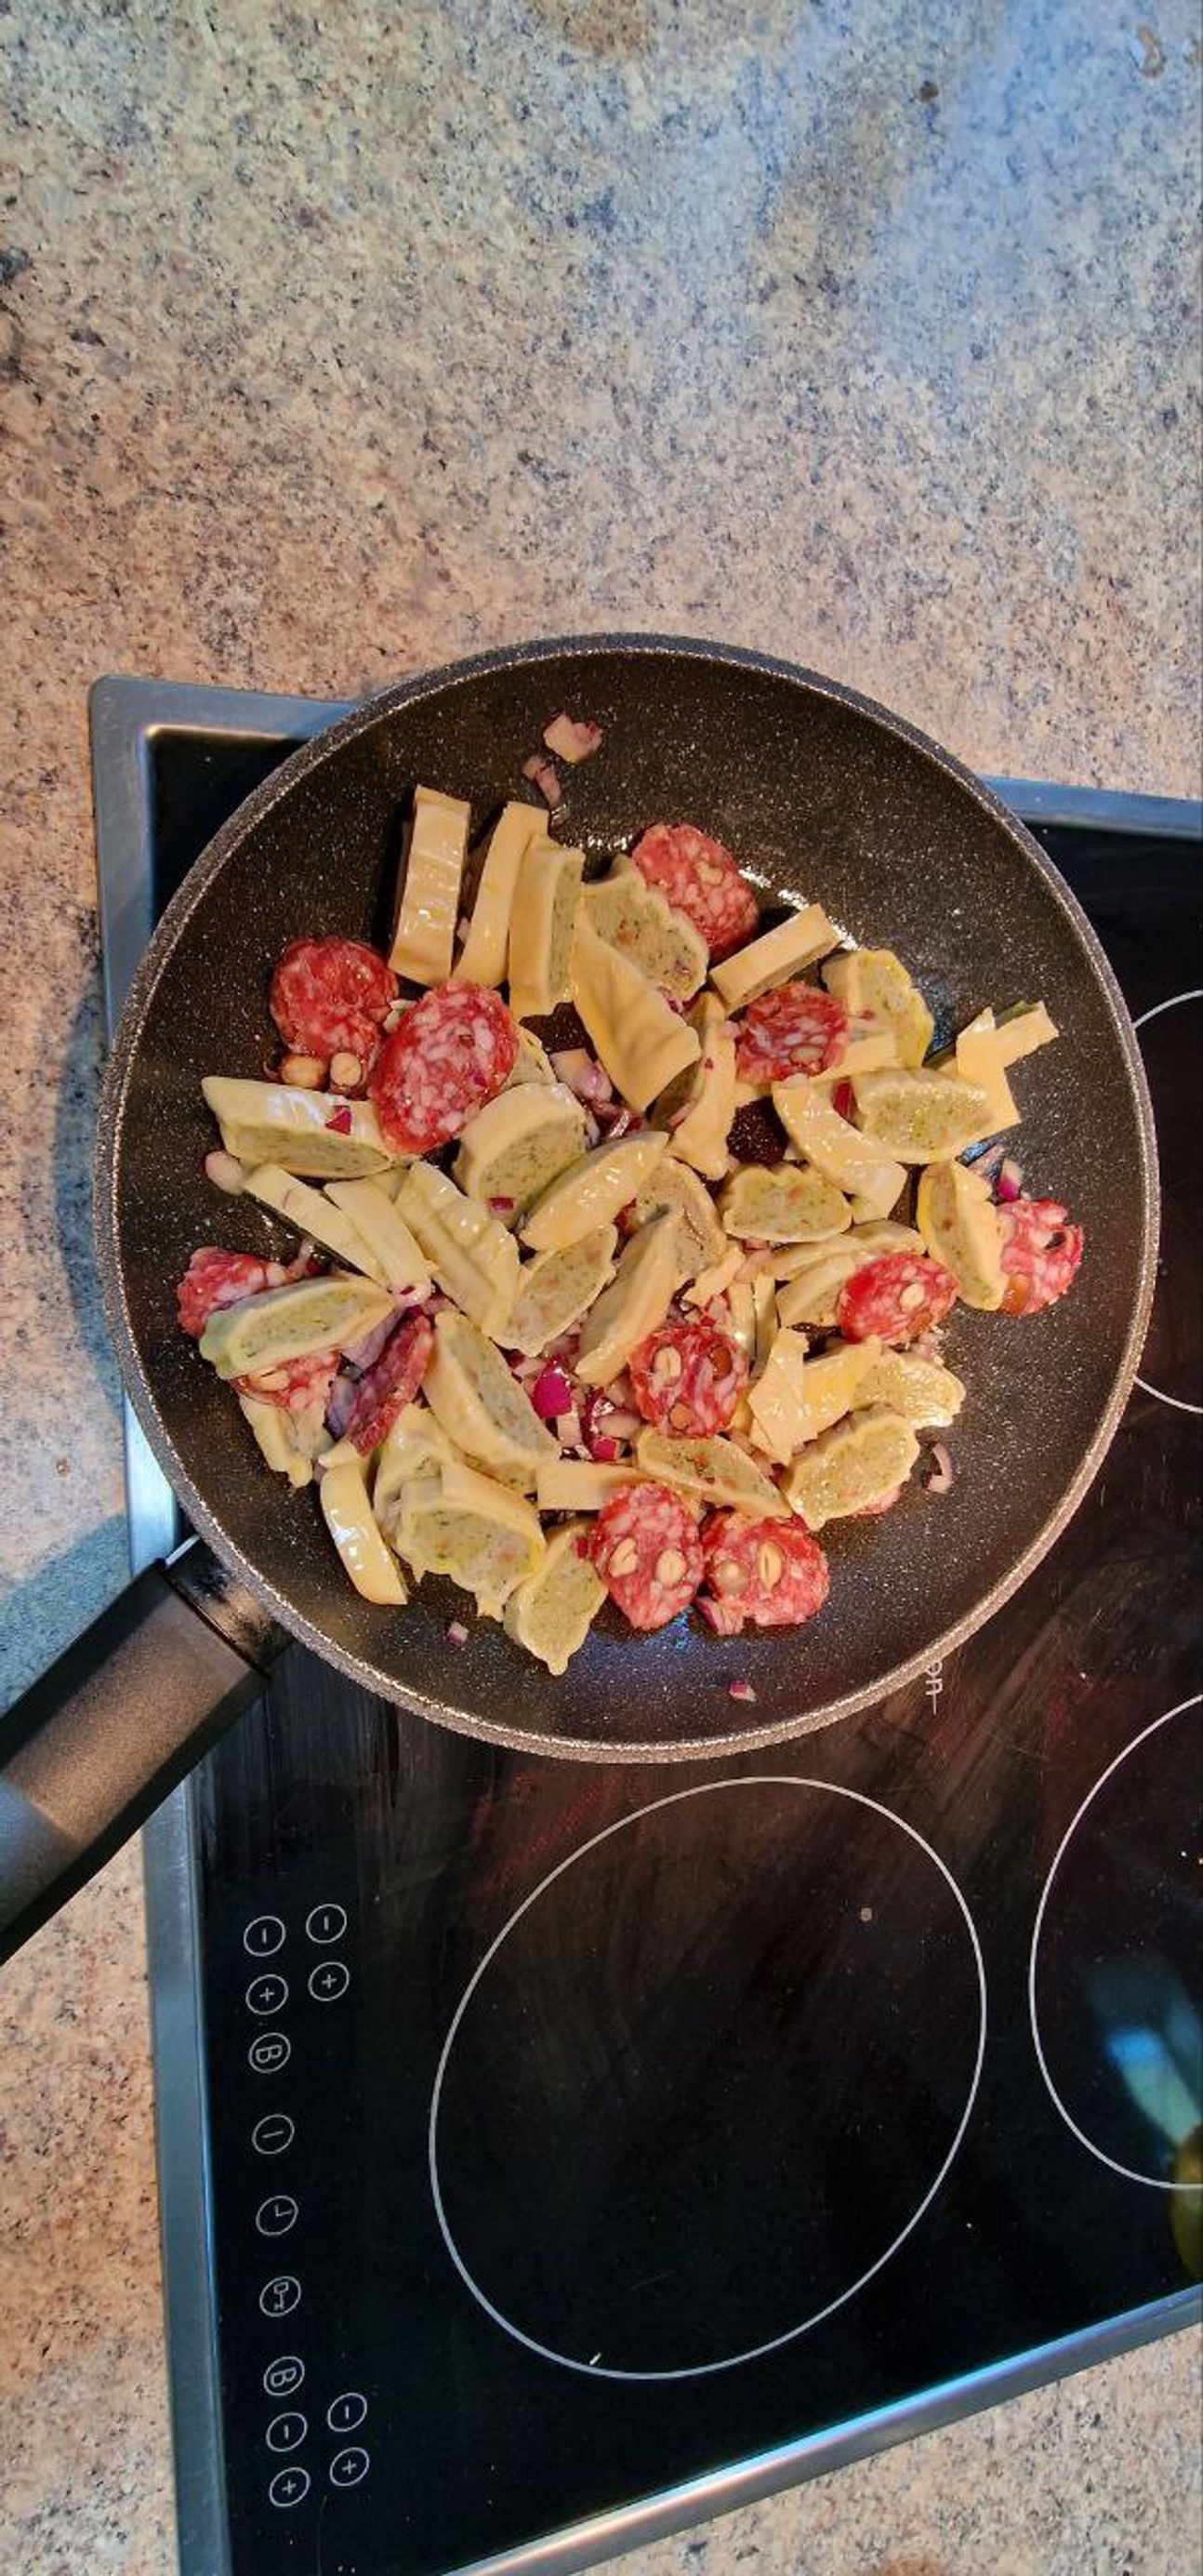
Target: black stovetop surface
{"points": [[566, 2137]]}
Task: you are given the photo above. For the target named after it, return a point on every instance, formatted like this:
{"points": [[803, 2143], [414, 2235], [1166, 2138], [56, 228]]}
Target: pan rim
{"points": [[363, 718]]}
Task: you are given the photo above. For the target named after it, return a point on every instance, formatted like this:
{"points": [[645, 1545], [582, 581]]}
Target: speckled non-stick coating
{"points": [[824, 797]]}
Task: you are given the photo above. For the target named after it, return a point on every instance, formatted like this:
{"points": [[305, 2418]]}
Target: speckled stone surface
{"points": [[334, 346]]}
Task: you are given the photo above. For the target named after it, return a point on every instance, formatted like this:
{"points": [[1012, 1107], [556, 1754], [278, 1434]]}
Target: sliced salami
{"points": [[329, 997], [390, 1383], [688, 1378], [646, 1549], [454, 1050], [794, 1029], [895, 1299], [699, 877], [297, 1386], [760, 1574], [1041, 1252], [214, 1279]]}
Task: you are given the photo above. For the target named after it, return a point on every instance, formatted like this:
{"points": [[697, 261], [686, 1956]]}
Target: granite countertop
{"points": [[334, 346]]}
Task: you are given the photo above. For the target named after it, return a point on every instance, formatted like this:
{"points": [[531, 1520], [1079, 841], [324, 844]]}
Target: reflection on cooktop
{"points": [[695, 2093], [1114, 1983], [1171, 1042]]}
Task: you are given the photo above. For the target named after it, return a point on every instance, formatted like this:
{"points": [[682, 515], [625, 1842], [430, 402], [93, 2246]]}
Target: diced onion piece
{"points": [[581, 1074], [938, 1480], [572, 739], [551, 1394], [225, 1171], [544, 777]]}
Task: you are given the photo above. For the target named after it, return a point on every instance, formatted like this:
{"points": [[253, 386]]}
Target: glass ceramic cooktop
{"points": [[549, 2154]]}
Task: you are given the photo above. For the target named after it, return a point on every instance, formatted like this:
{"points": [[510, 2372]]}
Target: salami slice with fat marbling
{"points": [[447, 1057], [760, 1574], [1041, 1252], [296, 1386], [688, 1378], [390, 1383], [329, 997], [646, 1548], [794, 1029], [699, 877], [895, 1299]]}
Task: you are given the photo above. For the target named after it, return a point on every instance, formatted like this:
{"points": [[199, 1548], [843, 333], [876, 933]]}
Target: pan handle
{"points": [[95, 1745]]}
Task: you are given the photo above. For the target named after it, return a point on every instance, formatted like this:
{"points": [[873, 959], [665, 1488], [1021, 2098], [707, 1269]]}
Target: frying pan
{"points": [[824, 796]]}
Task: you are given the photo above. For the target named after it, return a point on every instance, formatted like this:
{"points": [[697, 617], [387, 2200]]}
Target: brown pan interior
{"points": [[822, 797]]}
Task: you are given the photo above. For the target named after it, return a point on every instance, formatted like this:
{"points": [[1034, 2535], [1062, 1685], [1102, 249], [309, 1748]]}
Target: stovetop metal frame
{"points": [[126, 716]]}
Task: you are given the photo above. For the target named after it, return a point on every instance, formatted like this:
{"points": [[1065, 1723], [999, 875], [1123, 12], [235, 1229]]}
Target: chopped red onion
{"points": [[362, 1354], [606, 1423], [501, 1207], [841, 1099], [569, 1429], [1010, 1181], [938, 1479], [340, 1120], [581, 1074], [551, 1394], [622, 1425], [225, 1171], [457, 1634], [339, 1405], [572, 739], [544, 777], [740, 1690]]}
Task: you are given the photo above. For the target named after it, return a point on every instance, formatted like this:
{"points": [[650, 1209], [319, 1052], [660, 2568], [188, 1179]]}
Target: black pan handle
{"points": [[95, 1745]]}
